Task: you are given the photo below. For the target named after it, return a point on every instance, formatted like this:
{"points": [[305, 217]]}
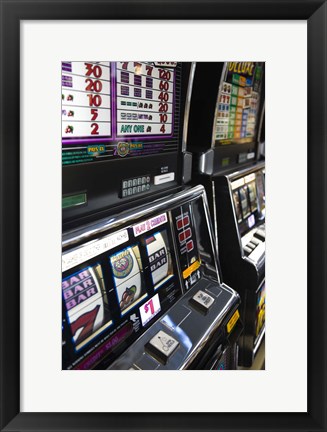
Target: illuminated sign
{"points": [[149, 224]]}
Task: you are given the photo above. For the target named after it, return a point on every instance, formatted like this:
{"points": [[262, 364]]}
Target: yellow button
{"points": [[191, 269]]}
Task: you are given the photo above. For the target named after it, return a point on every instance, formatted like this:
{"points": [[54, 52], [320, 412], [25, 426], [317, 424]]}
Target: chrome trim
{"points": [[231, 290], [255, 167], [235, 218], [71, 238], [197, 341], [222, 77], [215, 216], [260, 262], [260, 127], [214, 244], [202, 163], [231, 177], [187, 105], [206, 162], [257, 345], [177, 261]]}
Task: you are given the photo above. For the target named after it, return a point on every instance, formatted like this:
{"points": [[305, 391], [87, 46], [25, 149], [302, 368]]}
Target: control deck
{"points": [[175, 340]]}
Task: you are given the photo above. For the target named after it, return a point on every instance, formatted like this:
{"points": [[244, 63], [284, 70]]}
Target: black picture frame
{"points": [[12, 12]]}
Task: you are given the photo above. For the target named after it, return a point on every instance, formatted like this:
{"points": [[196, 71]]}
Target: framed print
{"points": [[35, 393]]}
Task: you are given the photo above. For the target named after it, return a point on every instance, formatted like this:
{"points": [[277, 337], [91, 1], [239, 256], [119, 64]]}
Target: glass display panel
{"points": [[237, 112], [158, 250], [248, 200], [261, 192], [128, 278], [237, 204], [86, 303], [253, 196], [113, 110], [114, 287], [244, 198]]}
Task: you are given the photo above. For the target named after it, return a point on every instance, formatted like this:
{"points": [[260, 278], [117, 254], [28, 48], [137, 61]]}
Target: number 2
{"points": [[95, 129]]}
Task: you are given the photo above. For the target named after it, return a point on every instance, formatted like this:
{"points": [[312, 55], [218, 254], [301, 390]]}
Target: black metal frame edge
{"points": [[12, 12]]}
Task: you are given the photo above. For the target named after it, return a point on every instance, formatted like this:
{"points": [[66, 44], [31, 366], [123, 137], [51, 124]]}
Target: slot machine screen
{"points": [[244, 198], [131, 277], [248, 201], [237, 110], [237, 205], [261, 192], [127, 270], [160, 261], [86, 303], [117, 285]]}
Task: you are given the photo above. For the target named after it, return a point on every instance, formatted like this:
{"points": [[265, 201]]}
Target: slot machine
{"points": [[225, 123], [141, 287]]}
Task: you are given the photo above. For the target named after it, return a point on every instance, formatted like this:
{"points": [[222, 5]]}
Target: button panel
{"points": [[258, 238], [260, 234], [135, 186], [161, 346]]}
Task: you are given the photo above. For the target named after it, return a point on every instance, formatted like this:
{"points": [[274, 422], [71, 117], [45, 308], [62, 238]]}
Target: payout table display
{"points": [[114, 110], [238, 103]]}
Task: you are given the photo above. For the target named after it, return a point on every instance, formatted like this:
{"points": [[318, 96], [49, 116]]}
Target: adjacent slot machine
{"points": [[141, 287], [225, 123]]}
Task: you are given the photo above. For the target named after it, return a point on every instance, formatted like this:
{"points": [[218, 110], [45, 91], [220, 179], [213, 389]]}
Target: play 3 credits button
{"points": [[161, 346], [202, 301]]}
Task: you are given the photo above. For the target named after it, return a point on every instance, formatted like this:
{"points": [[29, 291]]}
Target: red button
{"points": [[186, 221], [185, 235], [190, 245], [183, 222]]}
